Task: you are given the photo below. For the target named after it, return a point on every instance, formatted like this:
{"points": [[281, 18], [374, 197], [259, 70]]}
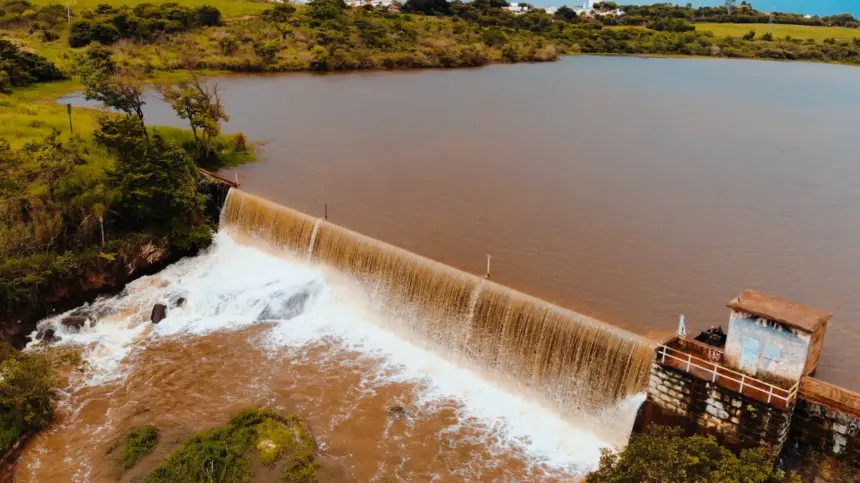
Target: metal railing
{"points": [[720, 373]]}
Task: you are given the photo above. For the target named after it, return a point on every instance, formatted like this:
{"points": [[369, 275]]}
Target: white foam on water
{"points": [[232, 286]]}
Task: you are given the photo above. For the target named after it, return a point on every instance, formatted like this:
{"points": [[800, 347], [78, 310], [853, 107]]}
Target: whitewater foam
{"points": [[232, 286]]}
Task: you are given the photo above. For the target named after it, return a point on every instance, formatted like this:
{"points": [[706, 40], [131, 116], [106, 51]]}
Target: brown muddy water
{"points": [[631, 190]]}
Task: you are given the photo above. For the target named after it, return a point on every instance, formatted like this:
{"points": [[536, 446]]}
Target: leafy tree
{"points": [[54, 159], [26, 393], [117, 87], [200, 103], [280, 13], [155, 182], [428, 7], [495, 37], [80, 34], [208, 16], [567, 14], [19, 68], [322, 10], [663, 456]]}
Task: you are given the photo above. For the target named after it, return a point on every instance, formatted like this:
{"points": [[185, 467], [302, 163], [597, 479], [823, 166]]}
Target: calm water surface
{"points": [[629, 189]]}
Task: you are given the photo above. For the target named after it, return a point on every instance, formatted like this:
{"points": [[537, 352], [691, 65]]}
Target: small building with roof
{"points": [[774, 339]]}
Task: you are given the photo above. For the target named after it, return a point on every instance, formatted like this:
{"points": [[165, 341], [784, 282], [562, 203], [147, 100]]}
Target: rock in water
{"points": [[47, 336], [159, 313], [74, 322], [397, 412], [180, 301]]}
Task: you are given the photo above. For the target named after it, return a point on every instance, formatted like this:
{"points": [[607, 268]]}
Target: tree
{"points": [[567, 14], [326, 9], [55, 161], [428, 7], [200, 103], [730, 4], [117, 87], [663, 456], [153, 181]]}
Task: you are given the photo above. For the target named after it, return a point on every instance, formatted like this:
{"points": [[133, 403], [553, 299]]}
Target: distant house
{"points": [[517, 8]]}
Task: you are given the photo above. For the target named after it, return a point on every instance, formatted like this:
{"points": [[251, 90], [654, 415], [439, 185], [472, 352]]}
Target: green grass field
{"points": [[229, 8], [779, 31]]}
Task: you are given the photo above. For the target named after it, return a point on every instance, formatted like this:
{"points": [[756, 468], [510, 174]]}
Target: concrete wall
{"points": [[792, 347], [680, 399]]}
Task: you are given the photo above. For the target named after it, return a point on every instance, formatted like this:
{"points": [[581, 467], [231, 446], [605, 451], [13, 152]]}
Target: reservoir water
{"points": [[629, 189]]}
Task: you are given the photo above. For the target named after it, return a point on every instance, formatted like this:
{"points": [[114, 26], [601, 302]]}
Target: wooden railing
{"points": [[728, 378]]}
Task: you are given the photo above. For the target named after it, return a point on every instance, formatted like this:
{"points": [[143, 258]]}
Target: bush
{"points": [[80, 34], [23, 68], [26, 394], [663, 456], [225, 454], [139, 443]]}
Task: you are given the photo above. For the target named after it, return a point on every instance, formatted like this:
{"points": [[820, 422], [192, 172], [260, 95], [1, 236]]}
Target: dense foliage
{"points": [[743, 13], [226, 454], [26, 394], [663, 456], [18, 68], [139, 443], [142, 23]]}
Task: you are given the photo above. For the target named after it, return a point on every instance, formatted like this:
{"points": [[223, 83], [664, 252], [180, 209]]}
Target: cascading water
{"points": [[574, 361], [246, 327]]}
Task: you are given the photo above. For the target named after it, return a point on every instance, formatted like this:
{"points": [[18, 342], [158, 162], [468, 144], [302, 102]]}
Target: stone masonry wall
{"points": [[826, 430], [703, 407]]}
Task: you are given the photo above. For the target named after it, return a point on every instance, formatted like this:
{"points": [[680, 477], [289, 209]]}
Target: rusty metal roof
{"points": [[803, 317]]}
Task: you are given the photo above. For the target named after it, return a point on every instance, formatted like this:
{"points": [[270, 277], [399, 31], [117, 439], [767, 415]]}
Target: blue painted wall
{"points": [[782, 350]]}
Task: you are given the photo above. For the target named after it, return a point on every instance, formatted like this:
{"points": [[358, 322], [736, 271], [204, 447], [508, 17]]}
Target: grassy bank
{"points": [[801, 32]]}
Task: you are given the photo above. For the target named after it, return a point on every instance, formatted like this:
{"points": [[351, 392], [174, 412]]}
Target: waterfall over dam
{"points": [[573, 361]]}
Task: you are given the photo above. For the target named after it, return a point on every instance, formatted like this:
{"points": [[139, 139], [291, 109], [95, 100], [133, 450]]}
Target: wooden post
{"points": [[69, 109], [326, 212], [236, 175], [488, 267]]}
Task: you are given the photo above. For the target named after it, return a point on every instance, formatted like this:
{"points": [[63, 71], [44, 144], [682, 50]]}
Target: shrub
{"points": [[26, 394], [139, 443], [663, 456], [225, 454]]}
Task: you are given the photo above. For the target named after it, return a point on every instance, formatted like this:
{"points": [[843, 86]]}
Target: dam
{"points": [[299, 314]]}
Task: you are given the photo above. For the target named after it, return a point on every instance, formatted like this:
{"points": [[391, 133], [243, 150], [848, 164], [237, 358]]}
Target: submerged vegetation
{"points": [[227, 454], [139, 443]]}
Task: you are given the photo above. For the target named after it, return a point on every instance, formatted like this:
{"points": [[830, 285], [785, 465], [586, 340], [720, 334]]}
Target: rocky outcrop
{"points": [[141, 256]]}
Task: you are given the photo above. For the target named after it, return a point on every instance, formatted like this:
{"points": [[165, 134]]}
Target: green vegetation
{"points": [[227, 454], [139, 443], [230, 8], [23, 68], [800, 32], [26, 394], [664, 456]]}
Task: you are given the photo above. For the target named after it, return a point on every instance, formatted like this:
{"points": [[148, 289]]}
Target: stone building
{"points": [[774, 339], [753, 385]]}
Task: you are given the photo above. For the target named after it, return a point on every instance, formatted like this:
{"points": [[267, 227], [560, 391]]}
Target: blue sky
{"points": [[811, 7]]}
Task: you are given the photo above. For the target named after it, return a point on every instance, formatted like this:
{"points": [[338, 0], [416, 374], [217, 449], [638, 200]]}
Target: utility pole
{"points": [[68, 11], [488, 267]]}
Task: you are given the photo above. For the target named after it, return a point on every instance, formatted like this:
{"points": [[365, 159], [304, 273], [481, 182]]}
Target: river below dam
{"points": [[260, 327], [630, 189]]}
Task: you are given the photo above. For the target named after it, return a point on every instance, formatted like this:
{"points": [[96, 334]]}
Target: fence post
{"points": [[663, 361], [689, 361], [743, 378], [769, 394]]}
